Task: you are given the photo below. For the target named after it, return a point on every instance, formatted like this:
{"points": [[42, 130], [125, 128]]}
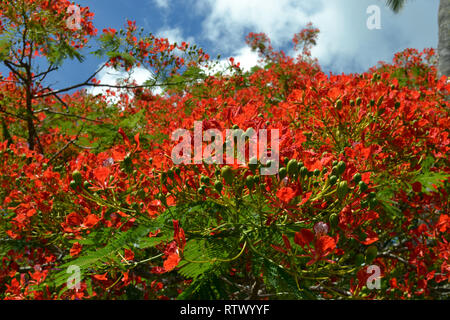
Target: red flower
{"points": [[129, 255], [179, 235], [171, 262], [90, 221], [73, 219], [286, 194], [101, 174], [306, 198], [304, 237], [324, 246], [443, 223], [101, 277], [76, 249], [417, 186], [287, 243]]}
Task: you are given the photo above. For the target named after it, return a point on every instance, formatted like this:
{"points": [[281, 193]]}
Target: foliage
{"points": [[87, 181]]}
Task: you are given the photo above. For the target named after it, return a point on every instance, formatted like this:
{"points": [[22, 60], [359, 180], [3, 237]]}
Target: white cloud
{"points": [[244, 56], [164, 4], [230, 20], [110, 76], [345, 43], [174, 35]]}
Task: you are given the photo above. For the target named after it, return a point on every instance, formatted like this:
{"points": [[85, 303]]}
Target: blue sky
{"points": [[219, 26]]}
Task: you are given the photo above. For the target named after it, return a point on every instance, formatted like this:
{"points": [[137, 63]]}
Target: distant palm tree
{"points": [[444, 32]]}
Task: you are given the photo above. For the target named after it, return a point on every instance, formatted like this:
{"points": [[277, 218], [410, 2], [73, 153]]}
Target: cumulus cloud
{"points": [[244, 56], [110, 76], [228, 21], [345, 43], [164, 4], [174, 35]]}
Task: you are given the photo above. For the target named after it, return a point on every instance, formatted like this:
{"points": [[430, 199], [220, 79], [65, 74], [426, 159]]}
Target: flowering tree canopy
{"points": [[93, 206]]}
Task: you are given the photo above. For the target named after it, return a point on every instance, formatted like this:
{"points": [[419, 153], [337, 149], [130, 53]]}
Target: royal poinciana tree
{"points": [[444, 32], [93, 206]]}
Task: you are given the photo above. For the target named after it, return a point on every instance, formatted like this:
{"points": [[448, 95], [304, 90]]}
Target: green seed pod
{"points": [[380, 101], [357, 178], [334, 220], [342, 189], [362, 186], [127, 162], [371, 253], [253, 164], [227, 174], [340, 167], [359, 259], [249, 182], [160, 196], [282, 173], [201, 190], [86, 185], [333, 180], [73, 184], [364, 204], [205, 180], [303, 172], [334, 171], [76, 175], [218, 186], [373, 203], [292, 167]]}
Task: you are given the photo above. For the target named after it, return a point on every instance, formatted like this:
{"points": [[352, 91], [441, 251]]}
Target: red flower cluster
{"points": [[363, 178]]}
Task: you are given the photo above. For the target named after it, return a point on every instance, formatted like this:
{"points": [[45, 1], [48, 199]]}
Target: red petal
{"points": [[304, 237]]}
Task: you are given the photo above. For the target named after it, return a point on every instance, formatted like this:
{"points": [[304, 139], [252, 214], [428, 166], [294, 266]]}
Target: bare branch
{"points": [[67, 115]]}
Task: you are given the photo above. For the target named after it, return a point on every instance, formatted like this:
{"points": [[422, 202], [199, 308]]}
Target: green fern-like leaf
{"points": [[96, 259]]}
